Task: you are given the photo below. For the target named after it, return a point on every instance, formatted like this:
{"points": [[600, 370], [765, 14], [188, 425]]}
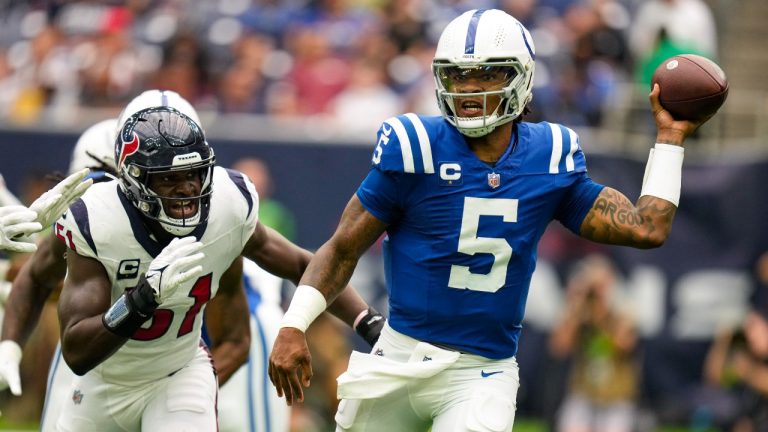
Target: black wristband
{"points": [[369, 327], [131, 310]]}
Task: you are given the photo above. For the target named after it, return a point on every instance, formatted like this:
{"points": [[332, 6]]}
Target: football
{"points": [[692, 87]]}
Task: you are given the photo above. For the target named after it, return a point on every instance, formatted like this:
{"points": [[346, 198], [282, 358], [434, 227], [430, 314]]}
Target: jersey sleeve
{"points": [[74, 230], [404, 145], [577, 202], [379, 193], [251, 203]]}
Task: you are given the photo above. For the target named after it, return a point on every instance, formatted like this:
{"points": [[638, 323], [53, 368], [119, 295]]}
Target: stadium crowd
{"points": [[338, 59]]}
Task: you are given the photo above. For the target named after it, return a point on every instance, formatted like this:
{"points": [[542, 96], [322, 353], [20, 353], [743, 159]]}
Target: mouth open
{"points": [[182, 209], [470, 108]]}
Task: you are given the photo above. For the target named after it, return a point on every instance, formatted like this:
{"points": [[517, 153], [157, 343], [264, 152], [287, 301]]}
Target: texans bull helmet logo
{"points": [[127, 148]]}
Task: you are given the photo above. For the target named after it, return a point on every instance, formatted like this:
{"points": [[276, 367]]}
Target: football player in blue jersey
{"points": [[464, 199]]}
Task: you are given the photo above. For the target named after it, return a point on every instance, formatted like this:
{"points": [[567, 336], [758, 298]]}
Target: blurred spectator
{"points": [[736, 369], [271, 212], [184, 68], [367, 101], [319, 74], [118, 69], [296, 57], [341, 22], [737, 363], [405, 22], [239, 90], [687, 25], [663, 49], [601, 340]]}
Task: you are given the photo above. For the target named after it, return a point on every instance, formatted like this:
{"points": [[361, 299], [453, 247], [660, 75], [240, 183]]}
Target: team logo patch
{"points": [[494, 180], [77, 397], [128, 148]]}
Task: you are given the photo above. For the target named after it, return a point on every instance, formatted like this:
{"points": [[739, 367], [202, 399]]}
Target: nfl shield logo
{"points": [[494, 180]]}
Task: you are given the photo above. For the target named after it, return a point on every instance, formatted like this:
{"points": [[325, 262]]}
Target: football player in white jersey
{"points": [[464, 199], [43, 272], [146, 254], [244, 403]]}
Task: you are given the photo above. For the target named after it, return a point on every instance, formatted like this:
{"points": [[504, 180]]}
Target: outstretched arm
{"points": [[327, 274], [279, 256], [613, 219]]}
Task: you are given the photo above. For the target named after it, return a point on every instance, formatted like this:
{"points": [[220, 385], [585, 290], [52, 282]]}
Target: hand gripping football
{"points": [[692, 87]]}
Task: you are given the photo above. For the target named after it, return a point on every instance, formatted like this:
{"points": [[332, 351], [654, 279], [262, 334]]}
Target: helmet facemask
{"points": [[151, 203], [502, 98]]}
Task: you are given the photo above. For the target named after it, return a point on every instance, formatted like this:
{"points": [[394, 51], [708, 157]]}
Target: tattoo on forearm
{"points": [[619, 216], [614, 219]]}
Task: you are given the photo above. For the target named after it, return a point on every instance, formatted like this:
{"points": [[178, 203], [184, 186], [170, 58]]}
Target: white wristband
{"points": [[307, 304], [663, 173]]}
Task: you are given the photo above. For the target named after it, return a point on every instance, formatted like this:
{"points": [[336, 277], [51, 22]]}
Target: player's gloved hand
{"points": [[10, 358], [16, 222], [52, 204], [176, 264], [369, 327]]}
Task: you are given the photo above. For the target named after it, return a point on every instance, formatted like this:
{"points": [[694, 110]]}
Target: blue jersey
{"points": [[462, 234]]}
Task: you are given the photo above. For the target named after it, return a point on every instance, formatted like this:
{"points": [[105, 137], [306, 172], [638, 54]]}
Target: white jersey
{"points": [[104, 225]]}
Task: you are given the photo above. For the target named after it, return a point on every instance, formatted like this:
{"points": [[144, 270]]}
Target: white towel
{"points": [[371, 376]]}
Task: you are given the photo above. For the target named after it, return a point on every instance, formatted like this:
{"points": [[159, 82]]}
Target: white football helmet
{"points": [[95, 149], [484, 40], [154, 99]]}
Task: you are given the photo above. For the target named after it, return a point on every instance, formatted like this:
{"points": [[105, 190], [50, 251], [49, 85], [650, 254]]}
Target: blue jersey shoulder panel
{"points": [[551, 148], [405, 144]]}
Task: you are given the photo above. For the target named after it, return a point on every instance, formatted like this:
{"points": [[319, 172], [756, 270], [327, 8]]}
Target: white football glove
{"points": [[177, 263], [17, 222], [52, 204], [10, 358]]}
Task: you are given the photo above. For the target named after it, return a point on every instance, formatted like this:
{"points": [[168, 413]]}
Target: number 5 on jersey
{"points": [[470, 243]]}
